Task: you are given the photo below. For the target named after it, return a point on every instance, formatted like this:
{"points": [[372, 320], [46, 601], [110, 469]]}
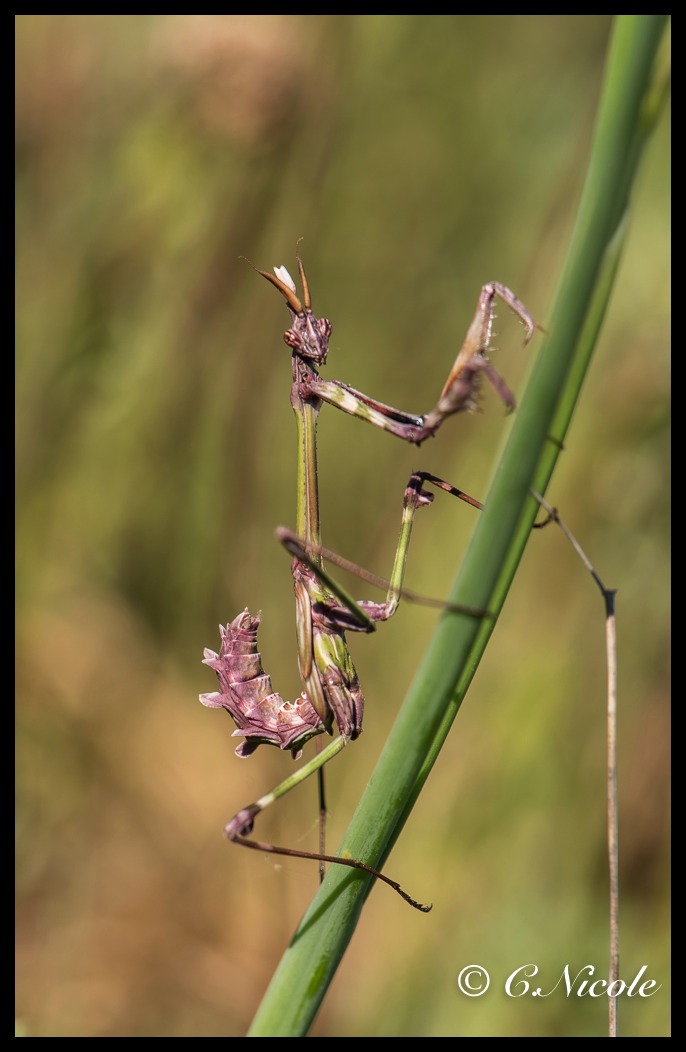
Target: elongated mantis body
{"points": [[331, 698]]}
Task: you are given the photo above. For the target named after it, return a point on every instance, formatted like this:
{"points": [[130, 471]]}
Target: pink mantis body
{"points": [[331, 696]]}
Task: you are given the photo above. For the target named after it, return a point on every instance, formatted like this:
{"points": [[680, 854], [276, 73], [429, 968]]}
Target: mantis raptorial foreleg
{"points": [[331, 696], [460, 390]]}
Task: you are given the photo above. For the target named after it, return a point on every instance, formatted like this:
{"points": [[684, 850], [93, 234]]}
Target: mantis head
{"points": [[308, 337]]}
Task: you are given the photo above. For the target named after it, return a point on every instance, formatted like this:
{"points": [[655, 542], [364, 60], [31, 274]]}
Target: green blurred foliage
{"points": [[418, 157]]}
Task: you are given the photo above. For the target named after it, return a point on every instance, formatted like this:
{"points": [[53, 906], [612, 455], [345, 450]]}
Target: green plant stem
{"points": [[627, 111]]}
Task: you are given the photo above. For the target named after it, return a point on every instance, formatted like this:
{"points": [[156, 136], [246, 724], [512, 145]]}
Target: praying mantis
{"points": [[331, 698]]}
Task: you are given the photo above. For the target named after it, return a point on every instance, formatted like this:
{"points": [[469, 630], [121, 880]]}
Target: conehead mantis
{"points": [[331, 699]]}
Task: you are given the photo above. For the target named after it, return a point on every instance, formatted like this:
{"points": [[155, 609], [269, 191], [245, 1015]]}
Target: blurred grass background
{"points": [[418, 157]]}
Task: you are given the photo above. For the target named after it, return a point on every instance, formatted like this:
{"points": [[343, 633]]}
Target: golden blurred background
{"points": [[418, 157]]}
